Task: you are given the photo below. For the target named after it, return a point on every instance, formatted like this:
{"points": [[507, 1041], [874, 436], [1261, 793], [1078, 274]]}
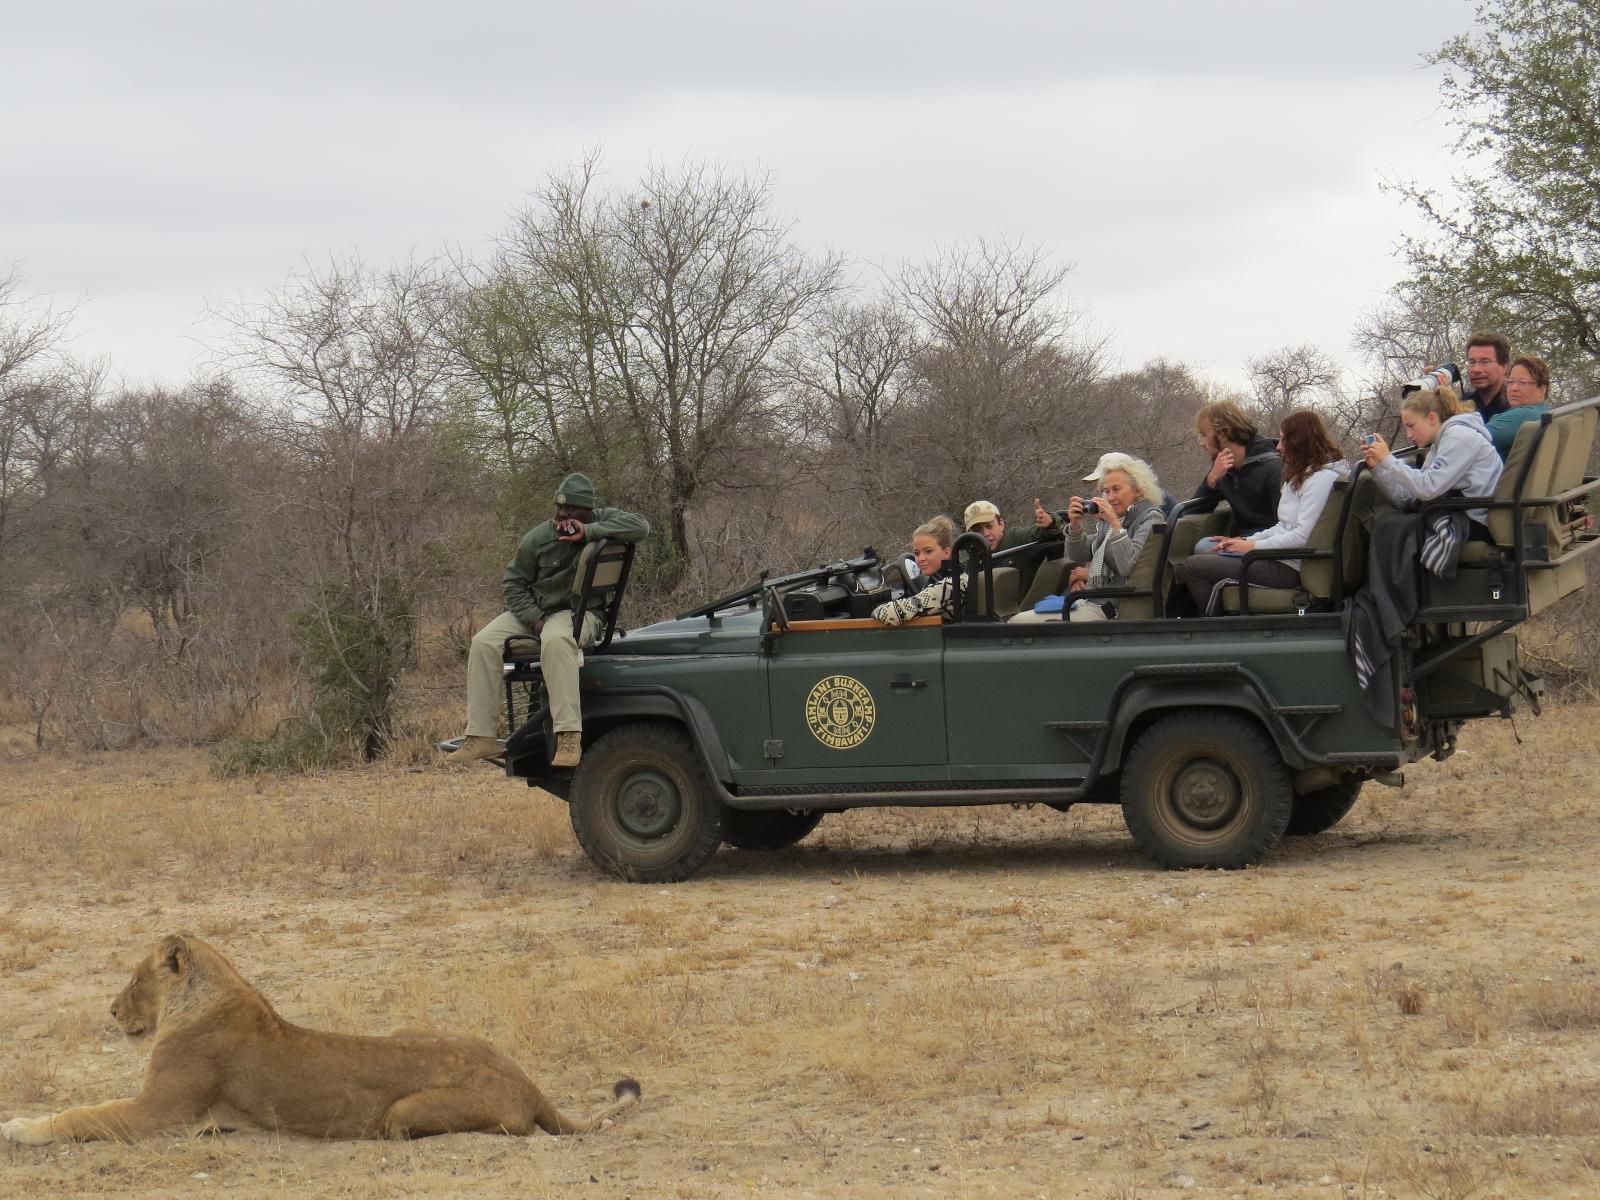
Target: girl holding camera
{"points": [[1461, 455]]}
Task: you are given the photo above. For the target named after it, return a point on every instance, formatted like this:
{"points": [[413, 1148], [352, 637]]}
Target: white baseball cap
{"points": [[1115, 460]]}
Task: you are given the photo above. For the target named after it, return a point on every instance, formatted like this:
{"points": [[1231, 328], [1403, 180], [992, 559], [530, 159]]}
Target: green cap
{"points": [[577, 490]]}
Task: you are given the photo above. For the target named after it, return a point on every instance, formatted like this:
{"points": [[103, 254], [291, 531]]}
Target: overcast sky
{"points": [[1211, 167]]}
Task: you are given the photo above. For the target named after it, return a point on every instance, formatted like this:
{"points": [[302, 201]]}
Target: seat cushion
{"points": [[1262, 599]]}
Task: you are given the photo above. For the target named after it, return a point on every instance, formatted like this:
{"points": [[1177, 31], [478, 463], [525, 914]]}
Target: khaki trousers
{"points": [[560, 656], [1083, 612]]}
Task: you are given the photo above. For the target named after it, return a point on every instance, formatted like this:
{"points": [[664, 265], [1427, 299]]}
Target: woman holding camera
{"points": [[1312, 464], [1126, 511]]}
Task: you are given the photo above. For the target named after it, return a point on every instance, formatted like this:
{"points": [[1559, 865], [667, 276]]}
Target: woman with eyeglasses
{"points": [[1528, 390]]}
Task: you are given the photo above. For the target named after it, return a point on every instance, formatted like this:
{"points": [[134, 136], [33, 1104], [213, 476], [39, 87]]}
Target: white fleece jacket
{"points": [[1462, 456], [1298, 511]]}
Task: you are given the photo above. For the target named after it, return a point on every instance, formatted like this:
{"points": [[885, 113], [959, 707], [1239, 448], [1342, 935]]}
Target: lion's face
{"points": [[138, 1008]]}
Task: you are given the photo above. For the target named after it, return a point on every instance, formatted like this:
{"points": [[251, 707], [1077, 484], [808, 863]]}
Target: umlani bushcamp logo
{"points": [[840, 712]]}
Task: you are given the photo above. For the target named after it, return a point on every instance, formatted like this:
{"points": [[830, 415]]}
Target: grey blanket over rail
{"points": [[1376, 617]]}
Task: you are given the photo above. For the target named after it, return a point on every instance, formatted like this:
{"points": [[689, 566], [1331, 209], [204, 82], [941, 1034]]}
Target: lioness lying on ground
{"points": [[223, 1058]]}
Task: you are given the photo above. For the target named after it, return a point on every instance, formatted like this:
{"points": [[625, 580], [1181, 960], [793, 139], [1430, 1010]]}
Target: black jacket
{"points": [[1492, 404], [1251, 490]]}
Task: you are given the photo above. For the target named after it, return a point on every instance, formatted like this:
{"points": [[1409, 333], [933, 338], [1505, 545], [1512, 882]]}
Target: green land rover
{"points": [[747, 720]]}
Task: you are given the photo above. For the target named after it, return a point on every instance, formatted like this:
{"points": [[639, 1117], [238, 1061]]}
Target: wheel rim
{"points": [[1205, 795], [648, 806]]}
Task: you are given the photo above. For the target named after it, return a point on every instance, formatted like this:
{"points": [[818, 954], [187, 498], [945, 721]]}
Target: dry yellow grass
{"points": [[948, 1003]]}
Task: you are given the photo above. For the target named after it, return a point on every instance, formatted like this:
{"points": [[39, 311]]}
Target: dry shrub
{"points": [[1552, 1005], [1562, 643], [1474, 1014], [1447, 1171], [101, 683], [24, 945], [1561, 1108], [33, 1074]]}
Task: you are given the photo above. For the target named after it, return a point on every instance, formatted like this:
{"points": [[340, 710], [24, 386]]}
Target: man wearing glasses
{"points": [[1487, 356]]}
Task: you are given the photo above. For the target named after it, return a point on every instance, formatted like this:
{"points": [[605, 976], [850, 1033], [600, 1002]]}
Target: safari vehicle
{"points": [[747, 720]]}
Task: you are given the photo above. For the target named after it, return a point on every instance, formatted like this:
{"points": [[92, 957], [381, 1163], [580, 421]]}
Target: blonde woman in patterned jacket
{"points": [[930, 546]]}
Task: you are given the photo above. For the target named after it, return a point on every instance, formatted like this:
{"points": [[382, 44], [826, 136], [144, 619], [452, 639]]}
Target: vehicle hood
{"points": [[735, 633]]}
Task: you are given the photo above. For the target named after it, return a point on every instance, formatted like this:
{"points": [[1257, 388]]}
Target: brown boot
{"points": [[474, 748], [569, 750]]}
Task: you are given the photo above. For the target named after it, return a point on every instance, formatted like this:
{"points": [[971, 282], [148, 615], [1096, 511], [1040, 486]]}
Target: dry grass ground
{"points": [[962, 1003]]}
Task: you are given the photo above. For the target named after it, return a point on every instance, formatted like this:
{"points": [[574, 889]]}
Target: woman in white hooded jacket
{"points": [[1461, 455]]}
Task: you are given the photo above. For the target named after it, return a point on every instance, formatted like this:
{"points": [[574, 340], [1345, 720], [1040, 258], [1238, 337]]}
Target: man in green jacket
{"points": [[538, 592], [983, 517]]}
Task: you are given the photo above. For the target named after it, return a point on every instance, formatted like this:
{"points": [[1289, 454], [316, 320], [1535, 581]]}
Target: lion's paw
{"points": [[27, 1131]]}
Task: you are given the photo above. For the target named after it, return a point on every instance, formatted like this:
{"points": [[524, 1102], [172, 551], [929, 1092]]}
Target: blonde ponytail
{"points": [[1443, 403]]}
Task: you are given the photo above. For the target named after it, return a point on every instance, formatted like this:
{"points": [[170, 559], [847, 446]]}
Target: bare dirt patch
{"points": [[940, 1003]]}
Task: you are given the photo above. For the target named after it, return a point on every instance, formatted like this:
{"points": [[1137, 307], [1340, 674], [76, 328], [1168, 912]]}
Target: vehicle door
{"points": [[856, 701], [1027, 701]]}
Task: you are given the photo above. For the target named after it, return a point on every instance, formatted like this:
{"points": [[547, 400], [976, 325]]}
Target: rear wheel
{"points": [[1321, 810], [642, 807], [767, 829], [1205, 789]]}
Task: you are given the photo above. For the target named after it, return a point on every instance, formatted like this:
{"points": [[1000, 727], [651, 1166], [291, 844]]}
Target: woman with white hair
{"points": [[1124, 514]]}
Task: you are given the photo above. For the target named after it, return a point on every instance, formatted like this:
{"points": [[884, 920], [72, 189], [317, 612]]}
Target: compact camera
{"points": [[1368, 439], [566, 528], [1432, 381], [1093, 506]]}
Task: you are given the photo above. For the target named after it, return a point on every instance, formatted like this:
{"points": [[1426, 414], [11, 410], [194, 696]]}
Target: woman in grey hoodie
{"points": [[1461, 455]]}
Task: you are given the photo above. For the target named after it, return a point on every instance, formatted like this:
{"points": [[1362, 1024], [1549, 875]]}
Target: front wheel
{"points": [[767, 829], [1321, 810], [642, 807], [1205, 789]]}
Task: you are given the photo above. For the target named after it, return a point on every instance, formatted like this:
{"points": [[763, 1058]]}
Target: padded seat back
{"points": [[1540, 480], [1317, 574], [1554, 451], [1572, 465], [1143, 578], [598, 584], [1048, 580], [1007, 591]]}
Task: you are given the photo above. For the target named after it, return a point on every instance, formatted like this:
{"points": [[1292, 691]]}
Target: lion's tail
{"points": [[550, 1119]]}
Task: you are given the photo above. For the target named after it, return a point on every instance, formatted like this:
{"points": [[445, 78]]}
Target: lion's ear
{"points": [[175, 953]]}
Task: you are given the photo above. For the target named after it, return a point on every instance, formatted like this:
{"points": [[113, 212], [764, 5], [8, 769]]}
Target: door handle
{"points": [[904, 684]]}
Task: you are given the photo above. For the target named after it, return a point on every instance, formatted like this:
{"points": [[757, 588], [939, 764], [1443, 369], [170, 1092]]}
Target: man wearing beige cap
{"points": [[538, 594], [983, 517]]}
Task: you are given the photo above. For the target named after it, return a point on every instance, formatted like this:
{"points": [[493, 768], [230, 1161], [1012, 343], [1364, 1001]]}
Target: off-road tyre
{"points": [[1321, 810], [767, 829], [642, 807], [1205, 789]]}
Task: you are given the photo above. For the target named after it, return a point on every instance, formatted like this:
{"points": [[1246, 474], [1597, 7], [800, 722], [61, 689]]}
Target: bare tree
{"points": [[1418, 327], [850, 375], [36, 402], [1002, 379], [1150, 412], [358, 366], [702, 287], [1290, 378]]}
